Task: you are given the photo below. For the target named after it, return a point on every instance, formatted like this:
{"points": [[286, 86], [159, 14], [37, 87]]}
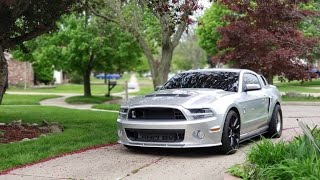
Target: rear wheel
{"points": [[231, 133], [275, 126]]}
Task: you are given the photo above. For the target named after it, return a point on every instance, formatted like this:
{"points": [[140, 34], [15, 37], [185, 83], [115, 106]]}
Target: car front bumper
{"points": [[210, 127]]}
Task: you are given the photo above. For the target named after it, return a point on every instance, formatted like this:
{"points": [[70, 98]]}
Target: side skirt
{"points": [[252, 134]]}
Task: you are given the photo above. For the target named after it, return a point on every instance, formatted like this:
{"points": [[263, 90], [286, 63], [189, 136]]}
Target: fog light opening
{"points": [[200, 134]]}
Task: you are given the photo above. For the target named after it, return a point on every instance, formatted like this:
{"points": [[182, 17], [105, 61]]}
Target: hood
{"points": [[179, 97]]}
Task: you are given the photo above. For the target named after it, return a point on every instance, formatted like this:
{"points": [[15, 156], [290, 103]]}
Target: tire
{"points": [[276, 123], [231, 133]]}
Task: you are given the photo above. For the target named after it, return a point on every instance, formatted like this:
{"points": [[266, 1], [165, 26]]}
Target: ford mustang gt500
{"points": [[203, 108]]}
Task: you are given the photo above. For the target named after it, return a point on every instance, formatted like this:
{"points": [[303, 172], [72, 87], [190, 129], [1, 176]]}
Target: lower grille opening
{"points": [[155, 135]]}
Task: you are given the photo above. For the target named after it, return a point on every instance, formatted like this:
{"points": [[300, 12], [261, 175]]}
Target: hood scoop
{"points": [[167, 95]]}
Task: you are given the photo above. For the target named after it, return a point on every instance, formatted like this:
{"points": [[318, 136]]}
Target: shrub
{"points": [[298, 159]]}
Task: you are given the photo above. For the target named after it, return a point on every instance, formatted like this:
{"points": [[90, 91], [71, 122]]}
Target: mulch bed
{"points": [[12, 133]]}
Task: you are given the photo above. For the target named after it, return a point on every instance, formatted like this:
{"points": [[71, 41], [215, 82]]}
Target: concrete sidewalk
{"points": [[60, 102]]}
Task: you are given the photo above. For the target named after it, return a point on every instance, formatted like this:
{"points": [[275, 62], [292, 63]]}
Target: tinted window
{"points": [[250, 79], [227, 81]]}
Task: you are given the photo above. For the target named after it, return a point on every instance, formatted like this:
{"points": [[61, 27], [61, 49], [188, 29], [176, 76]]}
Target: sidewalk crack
{"points": [[142, 167]]}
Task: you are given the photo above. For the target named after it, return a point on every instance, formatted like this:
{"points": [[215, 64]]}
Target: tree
{"points": [[188, 54], [209, 22], [83, 44], [310, 25], [23, 20], [156, 25], [35, 51], [265, 37]]}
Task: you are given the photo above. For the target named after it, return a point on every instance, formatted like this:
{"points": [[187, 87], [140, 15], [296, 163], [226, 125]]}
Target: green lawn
{"points": [[113, 107], [296, 86], [70, 88], [82, 129], [13, 99], [143, 90], [89, 100]]}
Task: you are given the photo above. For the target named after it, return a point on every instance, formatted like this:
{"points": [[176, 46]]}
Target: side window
{"points": [[250, 79]]}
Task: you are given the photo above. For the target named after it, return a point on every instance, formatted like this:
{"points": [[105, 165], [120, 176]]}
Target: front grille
{"points": [[155, 135], [155, 114]]}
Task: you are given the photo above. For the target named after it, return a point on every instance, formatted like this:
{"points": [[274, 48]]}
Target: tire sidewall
{"points": [[273, 132], [225, 147]]}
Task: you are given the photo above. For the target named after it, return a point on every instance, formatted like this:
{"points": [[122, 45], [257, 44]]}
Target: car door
{"points": [[254, 105]]}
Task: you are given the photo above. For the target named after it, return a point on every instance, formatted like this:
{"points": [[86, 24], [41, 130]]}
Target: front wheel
{"points": [[231, 133], [275, 125]]}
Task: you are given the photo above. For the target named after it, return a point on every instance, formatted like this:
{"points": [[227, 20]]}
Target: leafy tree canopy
{"points": [[84, 44], [212, 19], [265, 37], [188, 54], [23, 20], [156, 25]]}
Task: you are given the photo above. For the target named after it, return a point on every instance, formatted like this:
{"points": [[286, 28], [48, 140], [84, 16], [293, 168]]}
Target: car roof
{"points": [[217, 70]]}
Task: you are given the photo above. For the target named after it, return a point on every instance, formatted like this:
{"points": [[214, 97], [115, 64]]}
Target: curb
{"points": [[297, 103], [55, 157]]}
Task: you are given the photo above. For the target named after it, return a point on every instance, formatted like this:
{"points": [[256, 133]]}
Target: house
{"points": [[19, 73]]}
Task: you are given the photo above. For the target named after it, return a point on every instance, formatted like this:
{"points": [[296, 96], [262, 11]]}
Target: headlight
{"points": [[123, 112], [201, 113]]}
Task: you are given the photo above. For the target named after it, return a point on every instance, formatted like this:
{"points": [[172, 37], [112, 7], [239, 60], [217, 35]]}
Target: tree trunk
{"points": [[86, 83], [3, 74], [269, 77], [161, 69]]}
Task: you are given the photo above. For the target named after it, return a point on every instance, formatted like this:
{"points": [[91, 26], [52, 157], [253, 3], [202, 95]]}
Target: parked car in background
{"points": [[108, 76], [203, 108], [315, 70]]}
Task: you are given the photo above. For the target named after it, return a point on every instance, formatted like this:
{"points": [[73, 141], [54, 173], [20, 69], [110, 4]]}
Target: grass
{"points": [[89, 100], [298, 159], [70, 89], [82, 129], [143, 90], [12, 99], [296, 86], [113, 107]]}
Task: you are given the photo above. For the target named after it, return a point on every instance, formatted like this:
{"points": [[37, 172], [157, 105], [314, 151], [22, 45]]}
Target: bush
{"points": [[75, 78], [298, 159]]}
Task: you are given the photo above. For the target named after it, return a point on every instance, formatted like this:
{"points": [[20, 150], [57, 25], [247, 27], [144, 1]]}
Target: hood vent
{"points": [[167, 95]]}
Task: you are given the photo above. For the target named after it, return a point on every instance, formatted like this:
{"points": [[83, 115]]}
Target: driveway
{"points": [[116, 162]]}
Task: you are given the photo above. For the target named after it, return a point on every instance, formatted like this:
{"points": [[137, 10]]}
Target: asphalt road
{"points": [[116, 162]]}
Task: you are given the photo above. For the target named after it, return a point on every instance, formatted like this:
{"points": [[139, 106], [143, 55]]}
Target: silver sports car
{"points": [[203, 108]]}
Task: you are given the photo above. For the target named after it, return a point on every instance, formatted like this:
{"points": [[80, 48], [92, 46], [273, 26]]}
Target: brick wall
{"points": [[19, 71]]}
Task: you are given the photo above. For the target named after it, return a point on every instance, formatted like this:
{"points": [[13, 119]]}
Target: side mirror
{"points": [[251, 87], [158, 88]]}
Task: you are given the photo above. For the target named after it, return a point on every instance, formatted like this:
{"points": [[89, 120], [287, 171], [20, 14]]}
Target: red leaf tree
{"points": [[263, 36]]}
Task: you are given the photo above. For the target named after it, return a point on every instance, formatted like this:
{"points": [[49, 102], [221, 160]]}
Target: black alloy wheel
{"points": [[231, 133]]}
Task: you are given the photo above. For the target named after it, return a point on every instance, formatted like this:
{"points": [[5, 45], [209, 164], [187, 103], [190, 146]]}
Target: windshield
{"points": [[227, 81]]}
